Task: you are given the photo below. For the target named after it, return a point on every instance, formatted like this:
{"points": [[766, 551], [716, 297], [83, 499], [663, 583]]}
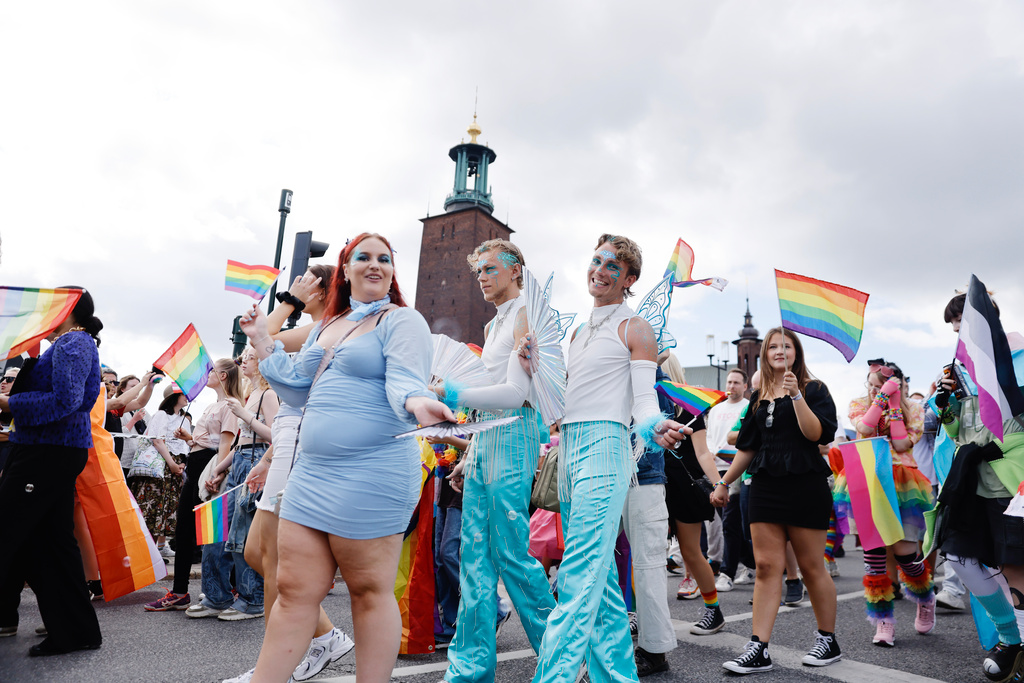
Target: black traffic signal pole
{"points": [[285, 207]]}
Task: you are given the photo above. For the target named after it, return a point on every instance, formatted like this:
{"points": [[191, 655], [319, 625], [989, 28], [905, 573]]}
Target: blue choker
{"points": [[361, 310]]}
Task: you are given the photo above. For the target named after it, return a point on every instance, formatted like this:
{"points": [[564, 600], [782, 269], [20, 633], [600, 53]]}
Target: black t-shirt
{"points": [[684, 455], [782, 449]]}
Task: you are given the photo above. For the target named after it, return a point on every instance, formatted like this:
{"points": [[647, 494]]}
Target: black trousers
{"points": [[185, 525], [37, 537]]}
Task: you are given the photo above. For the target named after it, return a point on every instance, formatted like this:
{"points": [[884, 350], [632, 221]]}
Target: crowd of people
{"points": [[300, 442]]}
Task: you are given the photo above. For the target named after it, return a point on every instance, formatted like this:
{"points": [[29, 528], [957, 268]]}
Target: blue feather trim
{"points": [[643, 434], [452, 391]]}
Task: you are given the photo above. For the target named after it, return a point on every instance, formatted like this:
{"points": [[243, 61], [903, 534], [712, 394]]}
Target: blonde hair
{"points": [[627, 251], [515, 256], [232, 384], [799, 368], [674, 369]]}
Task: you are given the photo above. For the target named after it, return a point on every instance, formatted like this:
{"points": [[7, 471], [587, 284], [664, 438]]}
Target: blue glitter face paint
{"points": [[606, 254], [508, 259]]}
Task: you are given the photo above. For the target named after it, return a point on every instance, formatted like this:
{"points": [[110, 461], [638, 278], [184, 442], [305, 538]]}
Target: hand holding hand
{"points": [[176, 468], [213, 483], [720, 496]]}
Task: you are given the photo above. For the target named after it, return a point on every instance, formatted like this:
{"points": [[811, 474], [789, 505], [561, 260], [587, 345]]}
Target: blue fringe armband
{"points": [[643, 434]]}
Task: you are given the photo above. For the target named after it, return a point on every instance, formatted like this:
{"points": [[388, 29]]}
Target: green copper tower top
{"points": [[471, 162]]}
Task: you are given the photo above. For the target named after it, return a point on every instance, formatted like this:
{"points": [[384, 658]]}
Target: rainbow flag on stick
{"points": [[29, 315], [695, 400], [212, 519], [822, 310], [187, 363], [680, 267], [255, 281], [872, 491]]}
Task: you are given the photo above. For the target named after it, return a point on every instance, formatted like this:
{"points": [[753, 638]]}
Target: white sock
{"points": [[325, 637], [1019, 616]]}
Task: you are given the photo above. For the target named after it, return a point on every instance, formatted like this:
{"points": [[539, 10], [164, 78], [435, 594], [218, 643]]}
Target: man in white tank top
{"points": [[611, 372], [498, 481]]}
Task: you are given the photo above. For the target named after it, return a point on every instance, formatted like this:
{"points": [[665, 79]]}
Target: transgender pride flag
{"points": [[984, 349]]}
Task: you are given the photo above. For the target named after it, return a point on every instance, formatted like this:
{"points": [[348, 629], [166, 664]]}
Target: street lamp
{"points": [[723, 357]]}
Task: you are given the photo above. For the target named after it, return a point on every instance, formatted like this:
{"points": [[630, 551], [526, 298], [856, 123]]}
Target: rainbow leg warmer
{"points": [[916, 575], [879, 596]]}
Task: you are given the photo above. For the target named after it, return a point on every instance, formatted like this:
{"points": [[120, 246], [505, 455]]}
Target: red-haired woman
{"points": [[362, 375], [790, 415]]}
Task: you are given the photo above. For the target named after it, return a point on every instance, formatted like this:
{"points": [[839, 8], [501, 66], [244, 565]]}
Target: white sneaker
{"points": [[244, 678], [723, 584], [321, 654], [165, 551], [743, 576], [949, 601], [200, 611], [832, 568]]}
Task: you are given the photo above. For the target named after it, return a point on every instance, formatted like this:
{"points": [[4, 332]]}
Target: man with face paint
{"points": [[611, 372], [498, 479]]}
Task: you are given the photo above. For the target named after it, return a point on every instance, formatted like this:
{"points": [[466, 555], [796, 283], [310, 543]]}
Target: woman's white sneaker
{"points": [[323, 653]]}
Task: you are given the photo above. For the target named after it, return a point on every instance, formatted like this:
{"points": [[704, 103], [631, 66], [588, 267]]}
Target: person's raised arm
{"points": [[304, 289], [649, 424]]}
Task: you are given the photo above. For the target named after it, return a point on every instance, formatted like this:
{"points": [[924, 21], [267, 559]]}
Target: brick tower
{"points": [[447, 293], [748, 346]]}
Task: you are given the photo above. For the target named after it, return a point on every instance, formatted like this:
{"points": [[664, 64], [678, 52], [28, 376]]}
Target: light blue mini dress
{"points": [[352, 478]]}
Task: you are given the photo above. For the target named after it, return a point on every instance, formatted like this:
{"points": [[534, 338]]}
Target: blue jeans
{"points": [[447, 524], [219, 558]]}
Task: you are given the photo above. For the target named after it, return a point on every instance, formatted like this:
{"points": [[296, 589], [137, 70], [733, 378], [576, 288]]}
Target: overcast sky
{"points": [[875, 144]]}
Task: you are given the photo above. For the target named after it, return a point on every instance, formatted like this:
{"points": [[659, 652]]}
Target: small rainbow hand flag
{"points": [[822, 310], [694, 400], [680, 267], [872, 491], [212, 520], [29, 315], [187, 363], [255, 281]]}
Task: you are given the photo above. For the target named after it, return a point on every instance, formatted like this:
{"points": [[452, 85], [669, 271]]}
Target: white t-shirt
{"points": [[720, 421]]}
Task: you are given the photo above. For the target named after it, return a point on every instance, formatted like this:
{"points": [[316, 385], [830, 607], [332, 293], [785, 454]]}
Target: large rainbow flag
{"points": [[255, 281], [187, 363], [212, 520], [823, 310], [124, 549], [29, 315], [414, 585], [680, 267], [694, 400], [872, 491]]}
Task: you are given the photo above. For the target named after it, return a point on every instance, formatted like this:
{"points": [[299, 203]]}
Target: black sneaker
{"points": [[648, 663], [754, 658], [634, 627], [711, 622], [794, 592], [1002, 662], [824, 652]]}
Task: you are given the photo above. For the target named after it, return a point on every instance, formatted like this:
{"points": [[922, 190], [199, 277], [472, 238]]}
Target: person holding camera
{"points": [[971, 529], [887, 411]]}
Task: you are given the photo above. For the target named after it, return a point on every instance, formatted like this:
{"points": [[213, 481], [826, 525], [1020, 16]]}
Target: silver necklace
{"points": [[592, 328], [499, 321]]}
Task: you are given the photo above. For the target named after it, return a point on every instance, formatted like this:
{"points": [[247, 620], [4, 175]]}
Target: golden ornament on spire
{"points": [[473, 130]]}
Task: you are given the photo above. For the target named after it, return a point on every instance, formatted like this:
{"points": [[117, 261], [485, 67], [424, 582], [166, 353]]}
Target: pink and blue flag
{"points": [[872, 491]]}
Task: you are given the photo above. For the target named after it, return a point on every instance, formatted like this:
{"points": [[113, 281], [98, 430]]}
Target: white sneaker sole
{"points": [[811, 661], [737, 669], [346, 646]]}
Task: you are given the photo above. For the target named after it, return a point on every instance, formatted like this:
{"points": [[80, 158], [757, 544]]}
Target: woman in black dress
{"points": [[790, 498]]}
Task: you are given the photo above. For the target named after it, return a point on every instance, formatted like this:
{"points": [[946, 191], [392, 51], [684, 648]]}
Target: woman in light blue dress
{"points": [[362, 376]]}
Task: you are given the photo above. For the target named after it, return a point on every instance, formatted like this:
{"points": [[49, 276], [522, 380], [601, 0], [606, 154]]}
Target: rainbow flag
{"points": [[872, 491], [212, 520], [695, 400], [822, 310], [29, 315], [680, 267], [475, 349], [255, 281], [187, 363], [415, 583]]}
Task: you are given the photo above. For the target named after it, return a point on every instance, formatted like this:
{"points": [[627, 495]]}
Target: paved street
{"points": [[141, 646]]}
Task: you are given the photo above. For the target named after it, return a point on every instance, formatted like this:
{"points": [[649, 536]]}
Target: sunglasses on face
{"points": [[5, 379]]}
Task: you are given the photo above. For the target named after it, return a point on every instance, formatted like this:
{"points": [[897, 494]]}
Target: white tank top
{"points": [[599, 385], [501, 339]]}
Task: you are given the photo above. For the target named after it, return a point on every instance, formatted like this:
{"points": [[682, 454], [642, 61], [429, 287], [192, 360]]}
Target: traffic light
{"points": [[238, 338], [305, 248]]}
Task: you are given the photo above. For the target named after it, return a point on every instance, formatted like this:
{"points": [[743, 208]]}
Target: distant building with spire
{"points": [[447, 293], [748, 346]]}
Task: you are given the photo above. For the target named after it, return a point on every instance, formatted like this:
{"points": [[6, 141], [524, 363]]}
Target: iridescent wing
{"points": [[654, 309], [455, 362], [548, 390], [564, 320], [445, 429]]}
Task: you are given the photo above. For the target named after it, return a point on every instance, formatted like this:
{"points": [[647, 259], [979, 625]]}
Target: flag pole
{"points": [[219, 495], [183, 414]]}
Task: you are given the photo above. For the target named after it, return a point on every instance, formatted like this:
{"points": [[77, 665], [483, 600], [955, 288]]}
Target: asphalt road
{"points": [[142, 646]]}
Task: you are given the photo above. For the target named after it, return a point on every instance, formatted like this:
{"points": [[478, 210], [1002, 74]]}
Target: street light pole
{"points": [[722, 364], [285, 207]]}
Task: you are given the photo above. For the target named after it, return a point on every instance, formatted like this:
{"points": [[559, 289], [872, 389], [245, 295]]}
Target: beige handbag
{"points": [[545, 486]]}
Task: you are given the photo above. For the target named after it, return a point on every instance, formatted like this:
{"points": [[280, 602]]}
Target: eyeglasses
{"points": [[5, 379], [771, 415], [110, 382]]}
